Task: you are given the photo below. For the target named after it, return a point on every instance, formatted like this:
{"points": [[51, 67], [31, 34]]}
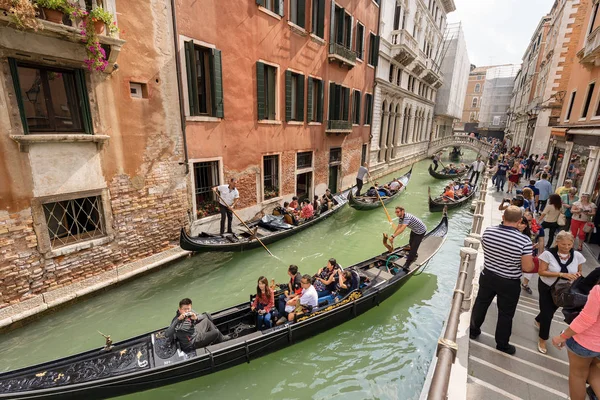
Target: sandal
{"points": [[526, 288]]}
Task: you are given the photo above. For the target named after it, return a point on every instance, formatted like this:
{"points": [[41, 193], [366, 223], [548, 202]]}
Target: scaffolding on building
{"points": [[496, 98]]}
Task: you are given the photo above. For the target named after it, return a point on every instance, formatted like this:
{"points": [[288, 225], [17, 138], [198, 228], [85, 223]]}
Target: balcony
{"points": [[590, 54], [339, 126], [433, 76], [404, 47], [339, 52]]}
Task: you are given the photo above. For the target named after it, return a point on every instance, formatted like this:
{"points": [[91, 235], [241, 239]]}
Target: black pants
{"points": [[359, 185], [476, 175], [225, 212], [206, 333], [508, 292], [414, 242], [528, 173], [281, 302], [547, 310], [435, 163], [553, 227], [541, 205]]}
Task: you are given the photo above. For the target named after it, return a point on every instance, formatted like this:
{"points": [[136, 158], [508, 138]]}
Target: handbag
{"points": [[588, 227], [562, 220], [564, 296], [536, 265]]}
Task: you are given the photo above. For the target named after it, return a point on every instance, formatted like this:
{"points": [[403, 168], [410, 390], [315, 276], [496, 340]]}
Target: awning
{"points": [[584, 131], [558, 132]]}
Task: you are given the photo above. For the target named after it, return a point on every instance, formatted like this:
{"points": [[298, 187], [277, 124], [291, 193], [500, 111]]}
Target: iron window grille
{"points": [[335, 155], [271, 178], [206, 176]]}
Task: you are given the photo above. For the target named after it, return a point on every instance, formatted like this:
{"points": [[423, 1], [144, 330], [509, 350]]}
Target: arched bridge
{"points": [[481, 147]]}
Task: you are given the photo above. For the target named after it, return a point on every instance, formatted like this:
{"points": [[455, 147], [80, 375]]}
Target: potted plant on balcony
{"points": [[22, 13], [54, 10], [101, 18]]}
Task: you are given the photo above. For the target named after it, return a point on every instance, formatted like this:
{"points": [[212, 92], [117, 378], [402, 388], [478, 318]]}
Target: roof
{"points": [[483, 70]]}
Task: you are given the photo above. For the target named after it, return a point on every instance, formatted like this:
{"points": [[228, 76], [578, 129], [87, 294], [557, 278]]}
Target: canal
{"points": [[383, 354]]}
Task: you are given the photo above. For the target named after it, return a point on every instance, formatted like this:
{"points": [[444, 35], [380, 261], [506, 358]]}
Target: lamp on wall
{"points": [[33, 92]]}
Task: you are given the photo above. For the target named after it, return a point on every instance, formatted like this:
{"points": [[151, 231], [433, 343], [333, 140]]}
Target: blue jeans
{"points": [[500, 181], [263, 321], [281, 306], [323, 293], [579, 350]]}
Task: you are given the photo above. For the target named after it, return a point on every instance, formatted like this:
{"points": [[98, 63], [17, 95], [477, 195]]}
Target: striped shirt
{"points": [[414, 223], [503, 247]]}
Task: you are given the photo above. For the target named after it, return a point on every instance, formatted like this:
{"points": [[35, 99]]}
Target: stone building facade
{"points": [[90, 175], [472, 100], [408, 78]]}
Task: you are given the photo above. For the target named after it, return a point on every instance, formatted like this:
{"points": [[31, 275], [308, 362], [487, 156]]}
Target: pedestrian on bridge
{"points": [[477, 168], [506, 254]]}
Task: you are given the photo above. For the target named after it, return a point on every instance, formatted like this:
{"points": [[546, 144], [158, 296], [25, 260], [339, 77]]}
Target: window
{"points": [[397, 13], [356, 107], [342, 27], [304, 160], [373, 49], [363, 154], [399, 77], [477, 88], [496, 120], [479, 77], [588, 100], [206, 176], [339, 102], [570, 109], [51, 99], [318, 18], [335, 155], [391, 77], [205, 80], [360, 40], [314, 106], [368, 108], [298, 12], [271, 176], [266, 83], [272, 5], [474, 102], [294, 96], [594, 15], [72, 221]]}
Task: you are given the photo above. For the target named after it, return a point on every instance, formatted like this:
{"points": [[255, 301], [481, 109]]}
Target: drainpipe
{"points": [[375, 82], [179, 86]]}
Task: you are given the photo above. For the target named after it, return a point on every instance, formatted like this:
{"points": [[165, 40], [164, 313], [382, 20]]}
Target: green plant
{"points": [[58, 5], [99, 14], [22, 13]]}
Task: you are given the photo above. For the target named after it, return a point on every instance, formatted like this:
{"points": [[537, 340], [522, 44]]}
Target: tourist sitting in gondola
{"points": [[327, 200], [348, 281], [316, 205], [302, 303], [263, 303], [448, 193], [451, 169], [395, 185], [307, 210], [289, 214], [293, 288], [383, 190], [294, 204], [325, 278], [191, 330]]}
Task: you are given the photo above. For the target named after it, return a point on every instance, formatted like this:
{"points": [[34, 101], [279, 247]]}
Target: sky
{"points": [[498, 31]]}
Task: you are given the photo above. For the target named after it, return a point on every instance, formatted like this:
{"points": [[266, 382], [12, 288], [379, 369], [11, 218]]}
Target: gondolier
{"points": [[228, 197], [417, 233], [477, 168], [436, 160], [360, 178]]}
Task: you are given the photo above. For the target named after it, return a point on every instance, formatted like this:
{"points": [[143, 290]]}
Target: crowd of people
{"points": [[296, 212], [457, 190]]}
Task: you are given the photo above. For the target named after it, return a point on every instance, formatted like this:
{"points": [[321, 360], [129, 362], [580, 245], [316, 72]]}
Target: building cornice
{"points": [[402, 92]]}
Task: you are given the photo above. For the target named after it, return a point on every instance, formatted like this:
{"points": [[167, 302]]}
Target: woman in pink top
{"points": [[582, 338], [307, 210]]}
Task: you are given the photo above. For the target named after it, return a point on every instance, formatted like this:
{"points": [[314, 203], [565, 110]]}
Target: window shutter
{"points": [[375, 51], [300, 98], [288, 95], [217, 85], [279, 7], [357, 109], [84, 102], [190, 63], [351, 32], [332, 24], [309, 103], [260, 91], [301, 4], [331, 101], [321, 19], [346, 110], [260, 2], [15, 77], [341, 27], [321, 102]]}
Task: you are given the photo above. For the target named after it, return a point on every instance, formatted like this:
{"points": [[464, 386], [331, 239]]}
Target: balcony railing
{"points": [[591, 50], [339, 126], [339, 52], [404, 47]]}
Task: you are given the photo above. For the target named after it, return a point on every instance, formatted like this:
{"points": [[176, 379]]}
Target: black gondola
{"points": [[267, 230], [150, 360], [365, 203], [437, 204], [438, 175]]}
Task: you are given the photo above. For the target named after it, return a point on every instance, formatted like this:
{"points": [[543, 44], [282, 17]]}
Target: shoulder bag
{"points": [[562, 220], [562, 296]]}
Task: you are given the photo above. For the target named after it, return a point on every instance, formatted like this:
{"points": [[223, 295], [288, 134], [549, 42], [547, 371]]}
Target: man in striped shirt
{"points": [[506, 254], [417, 233]]}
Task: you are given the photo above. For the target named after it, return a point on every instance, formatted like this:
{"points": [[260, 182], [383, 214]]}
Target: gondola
{"points": [[438, 175], [437, 204], [150, 360], [268, 229], [365, 203], [455, 154]]}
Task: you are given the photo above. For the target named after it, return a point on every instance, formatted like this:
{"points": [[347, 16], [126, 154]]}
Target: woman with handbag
{"points": [[562, 262], [568, 200], [583, 212], [550, 217]]}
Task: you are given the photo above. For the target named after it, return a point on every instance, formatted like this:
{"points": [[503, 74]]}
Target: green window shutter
{"points": [[260, 91], [279, 7], [300, 98], [321, 19], [217, 85], [332, 24], [357, 109], [331, 101], [84, 101], [288, 95], [309, 103], [341, 27], [346, 110], [260, 2], [375, 51], [321, 102], [190, 64], [301, 13], [15, 78]]}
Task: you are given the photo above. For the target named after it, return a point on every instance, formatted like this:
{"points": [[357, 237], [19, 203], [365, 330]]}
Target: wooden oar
{"points": [[244, 223], [379, 197]]}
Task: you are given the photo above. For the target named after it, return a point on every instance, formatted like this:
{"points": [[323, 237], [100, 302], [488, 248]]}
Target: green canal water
{"points": [[382, 354]]}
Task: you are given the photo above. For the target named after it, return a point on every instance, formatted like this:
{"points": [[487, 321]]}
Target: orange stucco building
{"points": [[276, 94]]}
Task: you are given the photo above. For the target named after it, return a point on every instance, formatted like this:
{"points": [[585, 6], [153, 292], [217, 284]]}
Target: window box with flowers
{"points": [[206, 208], [271, 192]]}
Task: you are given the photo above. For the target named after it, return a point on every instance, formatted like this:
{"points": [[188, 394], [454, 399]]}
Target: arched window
{"points": [[474, 103], [472, 117], [477, 88]]}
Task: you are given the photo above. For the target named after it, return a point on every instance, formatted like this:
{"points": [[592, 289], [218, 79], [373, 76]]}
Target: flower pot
{"points": [[53, 15], [99, 27]]}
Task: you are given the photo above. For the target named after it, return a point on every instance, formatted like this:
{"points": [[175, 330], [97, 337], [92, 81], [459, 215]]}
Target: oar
{"points": [[379, 197], [244, 223]]}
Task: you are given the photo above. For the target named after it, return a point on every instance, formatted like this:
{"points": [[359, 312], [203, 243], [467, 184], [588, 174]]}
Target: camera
{"points": [[188, 314]]}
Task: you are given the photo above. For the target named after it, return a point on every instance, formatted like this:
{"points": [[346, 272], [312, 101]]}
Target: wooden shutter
{"points": [[190, 64], [321, 106], [84, 101], [301, 6], [331, 101], [375, 60], [332, 23], [14, 71], [260, 2], [300, 98], [288, 95], [346, 105], [217, 84], [351, 32], [321, 19], [309, 101], [260, 91], [357, 108]]}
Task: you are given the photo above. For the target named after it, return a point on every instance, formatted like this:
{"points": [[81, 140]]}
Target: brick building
{"points": [[90, 175], [472, 102]]}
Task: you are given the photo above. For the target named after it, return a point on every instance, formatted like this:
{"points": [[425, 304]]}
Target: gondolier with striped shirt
{"points": [[417, 233], [507, 253]]}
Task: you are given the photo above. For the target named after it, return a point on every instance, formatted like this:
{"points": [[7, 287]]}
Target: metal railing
{"points": [[347, 55], [461, 301]]}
